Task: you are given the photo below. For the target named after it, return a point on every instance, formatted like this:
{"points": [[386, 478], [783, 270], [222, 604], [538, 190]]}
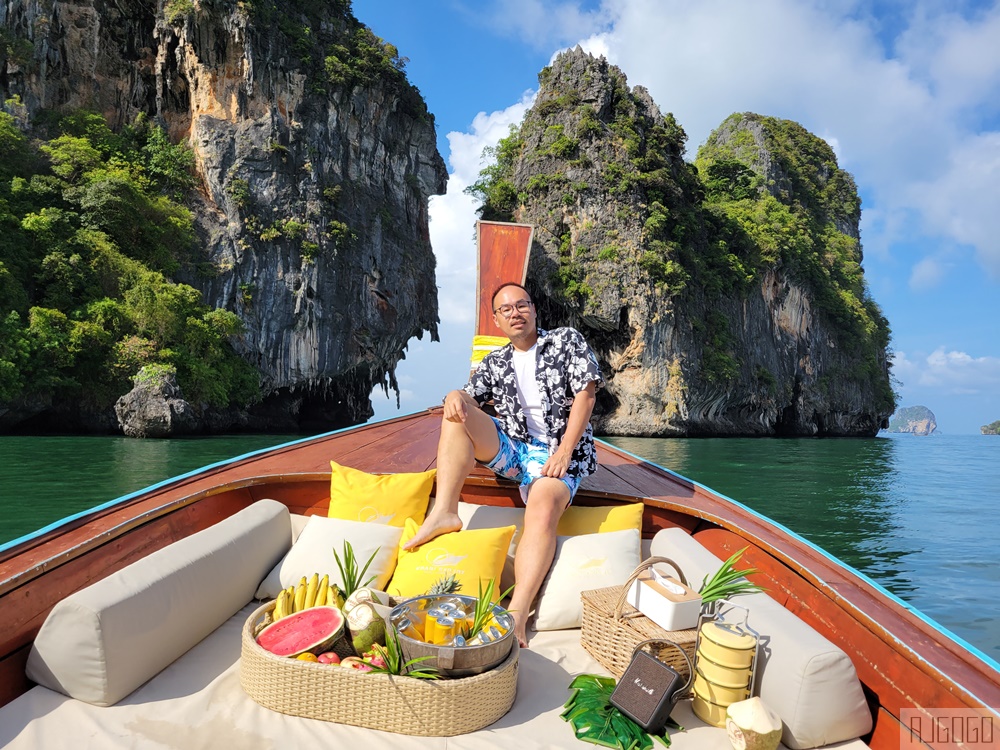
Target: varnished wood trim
{"points": [[13, 680]]}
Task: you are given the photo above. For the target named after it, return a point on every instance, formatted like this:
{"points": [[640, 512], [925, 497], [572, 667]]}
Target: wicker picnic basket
{"points": [[406, 705], [612, 628]]}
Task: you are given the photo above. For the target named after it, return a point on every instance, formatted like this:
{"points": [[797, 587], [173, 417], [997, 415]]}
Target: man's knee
{"points": [[547, 499]]}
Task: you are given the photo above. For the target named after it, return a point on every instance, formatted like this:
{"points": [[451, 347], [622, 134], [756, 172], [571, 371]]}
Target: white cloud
{"points": [[453, 216], [961, 203], [597, 46], [430, 370], [543, 24], [958, 57], [951, 372], [927, 274]]}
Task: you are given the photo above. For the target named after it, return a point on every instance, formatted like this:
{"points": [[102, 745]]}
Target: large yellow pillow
{"points": [[384, 498], [470, 556], [580, 519]]}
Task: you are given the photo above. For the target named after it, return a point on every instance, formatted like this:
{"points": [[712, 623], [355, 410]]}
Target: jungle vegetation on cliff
{"points": [[93, 227]]}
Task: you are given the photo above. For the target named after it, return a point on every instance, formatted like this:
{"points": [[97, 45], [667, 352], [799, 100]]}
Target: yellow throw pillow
{"points": [[470, 556], [379, 498], [579, 519]]}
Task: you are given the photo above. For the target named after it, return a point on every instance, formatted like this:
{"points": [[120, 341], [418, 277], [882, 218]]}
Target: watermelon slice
{"points": [[314, 630]]}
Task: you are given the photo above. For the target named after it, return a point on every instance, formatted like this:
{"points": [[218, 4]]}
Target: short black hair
{"points": [[503, 286]]}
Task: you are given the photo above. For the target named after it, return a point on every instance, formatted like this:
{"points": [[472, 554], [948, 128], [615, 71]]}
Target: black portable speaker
{"points": [[648, 691]]}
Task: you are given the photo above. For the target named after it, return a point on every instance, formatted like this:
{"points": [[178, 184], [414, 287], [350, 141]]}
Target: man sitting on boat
{"points": [[543, 387]]}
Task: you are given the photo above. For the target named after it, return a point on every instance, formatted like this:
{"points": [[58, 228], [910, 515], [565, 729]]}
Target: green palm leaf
{"points": [[595, 720]]}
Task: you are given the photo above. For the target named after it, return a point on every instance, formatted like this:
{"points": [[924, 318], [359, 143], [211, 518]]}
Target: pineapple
{"points": [[446, 585]]}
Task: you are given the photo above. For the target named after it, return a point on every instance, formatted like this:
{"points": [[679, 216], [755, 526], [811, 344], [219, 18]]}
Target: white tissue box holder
{"points": [[666, 601]]}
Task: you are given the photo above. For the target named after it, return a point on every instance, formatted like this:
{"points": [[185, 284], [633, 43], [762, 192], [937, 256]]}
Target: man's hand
{"points": [[579, 415], [455, 406], [557, 465]]}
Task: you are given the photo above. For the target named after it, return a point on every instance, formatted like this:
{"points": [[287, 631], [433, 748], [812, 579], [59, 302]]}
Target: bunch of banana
{"points": [[311, 592]]}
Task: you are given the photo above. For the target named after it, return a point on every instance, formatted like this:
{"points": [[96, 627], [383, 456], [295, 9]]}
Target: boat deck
{"points": [[901, 659]]}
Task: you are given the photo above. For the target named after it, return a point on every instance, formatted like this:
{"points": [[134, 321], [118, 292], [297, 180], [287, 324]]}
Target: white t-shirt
{"points": [[527, 391]]}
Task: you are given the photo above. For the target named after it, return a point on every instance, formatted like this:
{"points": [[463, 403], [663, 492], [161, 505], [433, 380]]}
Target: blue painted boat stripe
{"points": [[990, 661]]}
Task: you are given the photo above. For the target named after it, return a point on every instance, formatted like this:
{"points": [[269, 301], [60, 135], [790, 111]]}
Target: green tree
{"points": [[72, 157], [92, 224], [14, 354]]}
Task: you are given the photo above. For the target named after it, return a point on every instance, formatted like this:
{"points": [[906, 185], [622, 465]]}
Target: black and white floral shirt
{"points": [[564, 365]]}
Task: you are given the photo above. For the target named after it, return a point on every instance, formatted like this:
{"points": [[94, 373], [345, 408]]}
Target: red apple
{"points": [[329, 658]]}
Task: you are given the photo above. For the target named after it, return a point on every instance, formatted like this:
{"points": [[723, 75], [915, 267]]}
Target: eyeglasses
{"points": [[522, 306]]}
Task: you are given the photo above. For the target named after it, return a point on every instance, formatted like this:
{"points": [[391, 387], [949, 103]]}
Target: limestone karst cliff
{"points": [[313, 157], [724, 297], [915, 420]]}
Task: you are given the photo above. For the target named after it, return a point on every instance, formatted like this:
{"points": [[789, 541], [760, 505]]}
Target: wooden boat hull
{"points": [[902, 659]]}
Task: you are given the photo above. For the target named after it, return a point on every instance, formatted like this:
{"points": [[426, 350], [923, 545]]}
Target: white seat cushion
{"points": [[314, 547], [104, 641], [807, 680], [583, 562]]}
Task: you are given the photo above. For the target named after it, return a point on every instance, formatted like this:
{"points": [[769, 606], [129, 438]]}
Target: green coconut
{"points": [[751, 725], [366, 625], [365, 595]]}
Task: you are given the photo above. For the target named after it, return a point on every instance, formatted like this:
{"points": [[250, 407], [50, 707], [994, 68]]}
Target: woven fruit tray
{"points": [[426, 708]]}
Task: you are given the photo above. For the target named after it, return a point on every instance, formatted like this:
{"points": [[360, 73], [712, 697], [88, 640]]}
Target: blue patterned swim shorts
{"points": [[522, 462]]}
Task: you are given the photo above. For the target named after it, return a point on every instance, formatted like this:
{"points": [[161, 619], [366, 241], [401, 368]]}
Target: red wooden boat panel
{"points": [[13, 680], [900, 681], [503, 257]]}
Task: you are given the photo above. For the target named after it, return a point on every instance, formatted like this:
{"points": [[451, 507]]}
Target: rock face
{"points": [[916, 420], [993, 428], [154, 408], [315, 159], [706, 319]]}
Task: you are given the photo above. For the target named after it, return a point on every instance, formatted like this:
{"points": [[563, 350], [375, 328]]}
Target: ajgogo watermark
{"points": [[949, 728]]}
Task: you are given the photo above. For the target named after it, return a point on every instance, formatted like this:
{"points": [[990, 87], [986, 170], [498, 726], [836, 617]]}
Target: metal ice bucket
{"points": [[452, 661]]}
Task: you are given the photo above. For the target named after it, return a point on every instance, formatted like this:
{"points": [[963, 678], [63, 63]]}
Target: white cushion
{"points": [[807, 680], [313, 553], [102, 642], [298, 523], [583, 562]]}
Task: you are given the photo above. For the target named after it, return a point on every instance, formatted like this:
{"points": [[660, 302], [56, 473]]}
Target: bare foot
{"points": [[434, 525], [520, 628]]}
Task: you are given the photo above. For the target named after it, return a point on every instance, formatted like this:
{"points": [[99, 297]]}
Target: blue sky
{"points": [[907, 93]]}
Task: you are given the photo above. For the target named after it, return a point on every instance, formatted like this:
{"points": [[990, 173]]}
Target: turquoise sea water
{"points": [[916, 514], [44, 479]]}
